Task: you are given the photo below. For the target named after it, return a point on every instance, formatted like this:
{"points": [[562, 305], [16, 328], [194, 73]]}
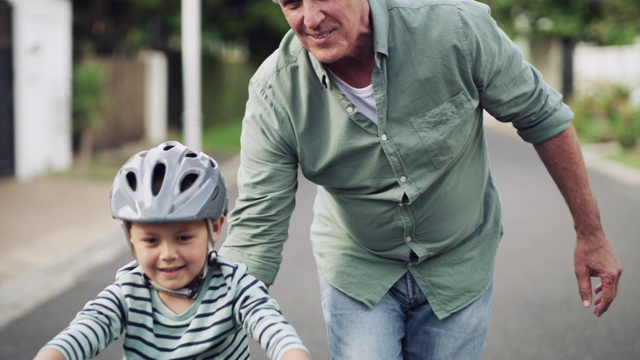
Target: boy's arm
{"points": [[98, 324], [53, 354], [260, 316]]}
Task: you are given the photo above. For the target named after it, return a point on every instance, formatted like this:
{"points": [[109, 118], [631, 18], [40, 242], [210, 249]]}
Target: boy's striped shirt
{"points": [[231, 306]]}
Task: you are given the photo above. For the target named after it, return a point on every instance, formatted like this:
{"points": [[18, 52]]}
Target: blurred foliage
{"points": [[89, 95], [224, 86], [605, 22], [90, 101], [259, 21], [121, 26], [607, 114]]}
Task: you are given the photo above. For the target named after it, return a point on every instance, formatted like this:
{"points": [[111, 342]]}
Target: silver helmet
{"points": [[169, 183]]}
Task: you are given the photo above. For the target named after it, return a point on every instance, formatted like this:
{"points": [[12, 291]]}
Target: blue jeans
{"points": [[402, 326]]}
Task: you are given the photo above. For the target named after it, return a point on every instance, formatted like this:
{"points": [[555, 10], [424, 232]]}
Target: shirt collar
{"points": [[380, 20]]}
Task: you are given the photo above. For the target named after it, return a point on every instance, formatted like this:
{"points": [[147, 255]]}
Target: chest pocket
{"points": [[445, 130]]}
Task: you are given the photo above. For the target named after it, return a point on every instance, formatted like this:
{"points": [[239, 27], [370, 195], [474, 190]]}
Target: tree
{"points": [[104, 28], [121, 26], [259, 21], [89, 105], [604, 22], [110, 26]]}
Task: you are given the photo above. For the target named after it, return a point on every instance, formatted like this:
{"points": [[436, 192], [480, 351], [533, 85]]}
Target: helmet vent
{"points": [[158, 178], [168, 147], [215, 193], [213, 163], [132, 181], [188, 181], [191, 155]]}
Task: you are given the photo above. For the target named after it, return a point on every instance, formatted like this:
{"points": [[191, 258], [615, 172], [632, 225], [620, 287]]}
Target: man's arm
{"points": [[594, 256]]}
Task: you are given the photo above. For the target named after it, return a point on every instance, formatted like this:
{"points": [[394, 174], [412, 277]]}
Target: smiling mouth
{"points": [[171, 270], [321, 36]]}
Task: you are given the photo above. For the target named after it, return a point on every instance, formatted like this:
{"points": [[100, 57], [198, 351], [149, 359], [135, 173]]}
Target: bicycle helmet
{"points": [[169, 183]]}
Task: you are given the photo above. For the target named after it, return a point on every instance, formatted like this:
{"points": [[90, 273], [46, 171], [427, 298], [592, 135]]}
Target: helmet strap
{"points": [[212, 242]]}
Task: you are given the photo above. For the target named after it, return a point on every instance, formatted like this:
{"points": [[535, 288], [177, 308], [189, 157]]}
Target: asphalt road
{"points": [[537, 313]]}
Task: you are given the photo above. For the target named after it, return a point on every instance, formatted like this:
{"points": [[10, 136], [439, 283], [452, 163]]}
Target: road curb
{"points": [[30, 290]]}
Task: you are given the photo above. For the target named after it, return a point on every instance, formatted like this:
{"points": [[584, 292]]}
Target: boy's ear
{"points": [[126, 229], [217, 224]]}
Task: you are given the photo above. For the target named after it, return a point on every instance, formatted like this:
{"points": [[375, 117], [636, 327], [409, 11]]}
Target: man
{"points": [[380, 104]]}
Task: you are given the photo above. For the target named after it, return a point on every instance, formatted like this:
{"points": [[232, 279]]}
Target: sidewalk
{"points": [[594, 156], [53, 232]]}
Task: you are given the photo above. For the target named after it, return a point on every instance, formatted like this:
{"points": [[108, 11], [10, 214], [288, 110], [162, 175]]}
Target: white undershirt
{"points": [[362, 98]]}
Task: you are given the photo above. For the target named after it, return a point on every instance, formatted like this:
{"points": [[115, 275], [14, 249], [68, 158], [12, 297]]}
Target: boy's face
{"points": [[172, 254]]}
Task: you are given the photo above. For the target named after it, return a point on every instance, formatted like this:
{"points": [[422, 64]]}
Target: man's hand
{"points": [[594, 257]]}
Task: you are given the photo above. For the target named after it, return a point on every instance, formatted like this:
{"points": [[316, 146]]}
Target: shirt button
{"points": [[403, 178], [349, 109], [384, 137], [408, 238]]}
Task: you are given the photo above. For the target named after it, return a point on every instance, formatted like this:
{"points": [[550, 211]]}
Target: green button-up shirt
{"points": [[414, 193]]}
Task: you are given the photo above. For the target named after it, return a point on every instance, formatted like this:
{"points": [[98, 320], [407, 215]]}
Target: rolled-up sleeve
{"points": [[511, 90]]}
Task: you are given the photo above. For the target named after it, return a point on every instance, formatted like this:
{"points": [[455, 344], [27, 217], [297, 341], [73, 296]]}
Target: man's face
{"points": [[329, 29]]}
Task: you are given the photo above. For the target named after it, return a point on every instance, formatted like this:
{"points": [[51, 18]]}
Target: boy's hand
{"points": [[49, 354], [296, 354]]}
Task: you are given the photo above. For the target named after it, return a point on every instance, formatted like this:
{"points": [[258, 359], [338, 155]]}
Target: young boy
{"points": [[181, 301]]}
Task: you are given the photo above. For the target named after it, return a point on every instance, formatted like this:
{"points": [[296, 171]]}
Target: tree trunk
{"points": [[568, 46], [86, 148]]}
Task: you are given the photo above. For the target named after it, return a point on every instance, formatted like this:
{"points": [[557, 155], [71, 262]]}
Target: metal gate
{"points": [[7, 148]]}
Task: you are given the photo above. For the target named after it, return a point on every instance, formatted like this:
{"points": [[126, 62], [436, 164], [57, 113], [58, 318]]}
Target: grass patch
{"points": [[628, 158], [225, 138]]}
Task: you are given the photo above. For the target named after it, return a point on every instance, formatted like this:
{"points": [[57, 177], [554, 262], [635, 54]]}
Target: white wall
{"points": [[42, 86], [618, 64], [592, 65]]}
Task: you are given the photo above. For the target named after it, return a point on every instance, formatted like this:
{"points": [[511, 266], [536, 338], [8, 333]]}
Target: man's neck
{"points": [[356, 68], [354, 72]]}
